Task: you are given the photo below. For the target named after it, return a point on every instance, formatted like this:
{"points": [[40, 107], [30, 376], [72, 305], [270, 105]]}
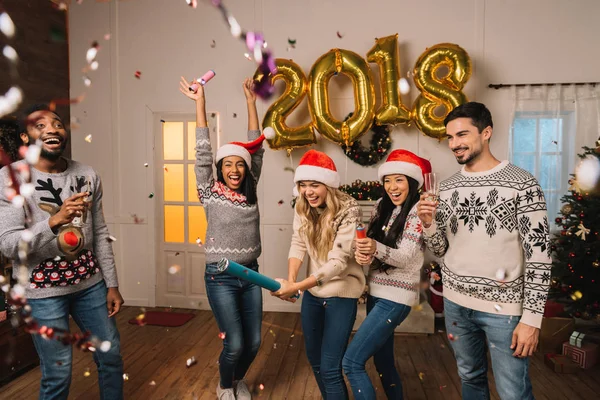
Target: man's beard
{"points": [[53, 155], [471, 157]]}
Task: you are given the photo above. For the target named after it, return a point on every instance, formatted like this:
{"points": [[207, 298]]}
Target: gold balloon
{"points": [[295, 90], [385, 55], [566, 209], [438, 90], [345, 62]]}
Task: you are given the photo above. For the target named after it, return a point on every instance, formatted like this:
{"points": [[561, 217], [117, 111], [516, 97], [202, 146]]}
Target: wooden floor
{"points": [[155, 360]]}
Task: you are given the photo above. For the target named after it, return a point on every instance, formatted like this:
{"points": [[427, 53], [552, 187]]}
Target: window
{"points": [[542, 143]]}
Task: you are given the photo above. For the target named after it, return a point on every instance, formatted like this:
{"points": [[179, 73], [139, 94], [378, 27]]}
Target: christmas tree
{"points": [[576, 251]]}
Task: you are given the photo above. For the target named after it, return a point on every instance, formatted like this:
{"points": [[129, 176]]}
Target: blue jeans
{"points": [[327, 324], [237, 306], [472, 330], [375, 337], [88, 308]]}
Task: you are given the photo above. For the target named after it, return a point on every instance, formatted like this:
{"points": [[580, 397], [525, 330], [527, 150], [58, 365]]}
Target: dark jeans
{"points": [[471, 330], [237, 306], [88, 308], [327, 324], [375, 337]]}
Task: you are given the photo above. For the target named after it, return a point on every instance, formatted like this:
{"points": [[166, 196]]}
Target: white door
{"points": [[180, 217]]}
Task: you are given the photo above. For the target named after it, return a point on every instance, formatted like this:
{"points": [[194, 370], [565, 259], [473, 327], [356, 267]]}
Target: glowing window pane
{"points": [[174, 224], [173, 140], [196, 223], [192, 189], [191, 141], [173, 182]]}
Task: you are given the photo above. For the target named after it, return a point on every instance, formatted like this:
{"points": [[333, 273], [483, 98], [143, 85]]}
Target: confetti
{"points": [[163, 121], [174, 269], [222, 335], [403, 86], [339, 35], [7, 27], [247, 55], [452, 338], [138, 74], [501, 274], [497, 307], [280, 202], [88, 138], [87, 81], [190, 361], [125, 377], [441, 387], [151, 195], [165, 168], [292, 335], [105, 346], [199, 241], [10, 53], [389, 321], [213, 44], [261, 386], [146, 165], [107, 36], [152, 383], [176, 253], [87, 372], [275, 345], [577, 295], [234, 115], [92, 52], [141, 319], [192, 3], [421, 376]]}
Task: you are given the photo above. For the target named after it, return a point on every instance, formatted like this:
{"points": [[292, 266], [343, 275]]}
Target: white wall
{"points": [[509, 41]]}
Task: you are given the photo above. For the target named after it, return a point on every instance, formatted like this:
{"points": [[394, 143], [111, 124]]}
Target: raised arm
{"points": [[253, 127], [204, 157]]}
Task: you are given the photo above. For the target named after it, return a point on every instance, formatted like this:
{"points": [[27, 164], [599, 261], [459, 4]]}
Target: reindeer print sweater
{"points": [[74, 256], [492, 230]]}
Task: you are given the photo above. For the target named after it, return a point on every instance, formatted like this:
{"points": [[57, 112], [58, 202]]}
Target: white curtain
{"points": [[550, 125]]}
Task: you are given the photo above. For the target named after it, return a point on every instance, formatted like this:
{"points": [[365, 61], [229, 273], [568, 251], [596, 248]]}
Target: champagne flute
{"points": [[432, 186]]}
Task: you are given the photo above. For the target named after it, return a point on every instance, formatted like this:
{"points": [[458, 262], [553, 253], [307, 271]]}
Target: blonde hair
{"points": [[317, 228]]}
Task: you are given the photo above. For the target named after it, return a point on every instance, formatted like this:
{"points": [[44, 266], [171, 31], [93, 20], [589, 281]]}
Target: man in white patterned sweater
{"points": [[491, 228]]}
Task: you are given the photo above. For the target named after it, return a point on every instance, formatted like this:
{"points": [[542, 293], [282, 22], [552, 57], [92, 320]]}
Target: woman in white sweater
{"points": [[394, 251], [325, 222]]}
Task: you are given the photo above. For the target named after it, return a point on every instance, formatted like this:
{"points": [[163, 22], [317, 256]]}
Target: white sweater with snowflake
{"points": [[491, 228], [400, 283]]}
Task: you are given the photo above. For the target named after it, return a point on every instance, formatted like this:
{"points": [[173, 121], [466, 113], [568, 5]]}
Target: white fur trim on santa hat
{"points": [[233, 150], [313, 173], [401, 167]]}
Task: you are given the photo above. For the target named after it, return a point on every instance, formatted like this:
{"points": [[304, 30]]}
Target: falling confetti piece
{"points": [[501, 274], [213, 44], [192, 3], [261, 386], [10, 53], [107, 36], [576, 295], [234, 115], [441, 387], [190, 361], [138, 74], [280, 202], [275, 345], [88, 138], [92, 52], [292, 335], [403, 86], [163, 121], [57, 258], [497, 307], [222, 335], [339, 35], [174, 269], [151, 195], [452, 338], [199, 241], [442, 346], [152, 383], [247, 55], [105, 346], [7, 27], [87, 81], [389, 321], [87, 372], [146, 165], [176, 254], [421, 376], [125, 377]]}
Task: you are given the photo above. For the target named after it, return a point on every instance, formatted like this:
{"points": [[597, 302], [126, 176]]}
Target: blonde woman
{"points": [[325, 222]]}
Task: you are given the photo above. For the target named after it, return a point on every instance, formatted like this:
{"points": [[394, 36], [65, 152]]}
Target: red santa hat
{"points": [[317, 166], [244, 150], [406, 163]]}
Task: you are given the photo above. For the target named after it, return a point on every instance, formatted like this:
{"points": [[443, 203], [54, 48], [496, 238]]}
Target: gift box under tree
{"points": [[560, 364], [585, 356]]}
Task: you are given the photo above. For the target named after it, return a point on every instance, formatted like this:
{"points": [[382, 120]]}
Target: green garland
{"points": [[371, 190], [378, 149]]}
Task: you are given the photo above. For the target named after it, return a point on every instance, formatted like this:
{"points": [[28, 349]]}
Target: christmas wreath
{"points": [[379, 146]]}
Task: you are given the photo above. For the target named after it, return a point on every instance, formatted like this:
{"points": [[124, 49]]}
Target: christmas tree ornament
{"points": [[582, 231], [566, 209]]}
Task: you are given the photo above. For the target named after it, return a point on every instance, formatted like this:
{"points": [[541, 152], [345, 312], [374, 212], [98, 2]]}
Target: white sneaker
{"points": [[225, 394], [242, 392]]}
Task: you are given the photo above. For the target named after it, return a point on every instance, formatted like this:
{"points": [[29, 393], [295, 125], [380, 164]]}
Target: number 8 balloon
{"points": [[438, 90]]}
